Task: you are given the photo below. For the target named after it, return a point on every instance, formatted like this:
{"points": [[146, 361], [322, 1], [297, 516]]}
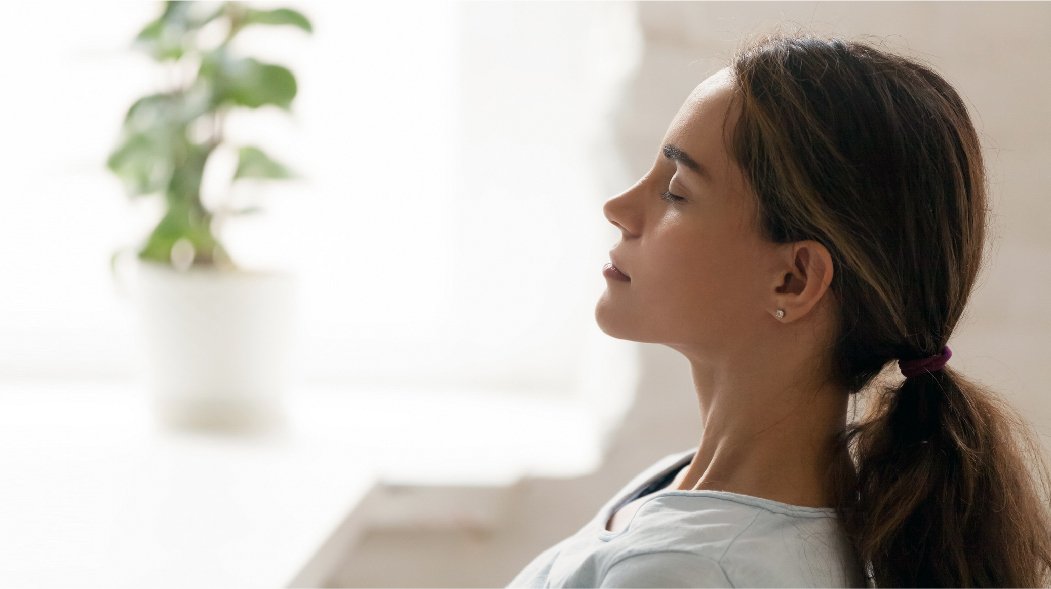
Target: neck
{"points": [[771, 441]]}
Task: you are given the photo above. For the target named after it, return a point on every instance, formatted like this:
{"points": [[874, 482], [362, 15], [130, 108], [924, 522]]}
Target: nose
{"points": [[618, 212]]}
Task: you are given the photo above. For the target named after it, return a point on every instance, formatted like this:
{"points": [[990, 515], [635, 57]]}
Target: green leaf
{"points": [[280, 16], [155, 154], [143, 162], [160, 41], [178, 224], [190, 159], [247, 81], [151, 32], [146, 111], [176, 12], [169, 36], [253, 163], [168, 109], [186, 220], [191, 16]]}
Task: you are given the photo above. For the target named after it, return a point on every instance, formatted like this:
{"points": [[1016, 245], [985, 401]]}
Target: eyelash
{"points": [[673, 198]]}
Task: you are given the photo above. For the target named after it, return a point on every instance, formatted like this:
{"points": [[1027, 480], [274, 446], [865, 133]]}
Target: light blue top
{"points": [[699, 539]]}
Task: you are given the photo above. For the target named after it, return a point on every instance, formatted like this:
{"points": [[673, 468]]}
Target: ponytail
{"points": [[945, 494]]}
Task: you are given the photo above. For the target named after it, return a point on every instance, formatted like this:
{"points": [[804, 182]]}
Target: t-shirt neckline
{"points": [[663, 475]]}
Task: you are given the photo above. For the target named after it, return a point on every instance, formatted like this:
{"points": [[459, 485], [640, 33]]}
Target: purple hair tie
{"points": [[911, 368]]}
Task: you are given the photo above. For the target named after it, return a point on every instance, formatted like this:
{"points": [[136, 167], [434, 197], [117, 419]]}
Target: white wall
{"points": [[447, 233]]}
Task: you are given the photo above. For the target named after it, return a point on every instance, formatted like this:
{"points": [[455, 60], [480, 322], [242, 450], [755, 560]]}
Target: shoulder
{"points": [[678, 542], [782, 548], [665, 569], [723, 540]]}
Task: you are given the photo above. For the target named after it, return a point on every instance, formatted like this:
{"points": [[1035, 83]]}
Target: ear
{"points": [[804, 278]]}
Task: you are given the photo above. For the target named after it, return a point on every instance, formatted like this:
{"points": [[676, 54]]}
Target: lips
{"points": [[613, 263]]}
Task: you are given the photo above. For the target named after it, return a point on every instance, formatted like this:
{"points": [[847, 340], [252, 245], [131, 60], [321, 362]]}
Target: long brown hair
{"points": [[874, 155]]}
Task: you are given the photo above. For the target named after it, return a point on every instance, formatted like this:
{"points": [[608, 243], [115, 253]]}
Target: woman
{"points": [[815, 214]]}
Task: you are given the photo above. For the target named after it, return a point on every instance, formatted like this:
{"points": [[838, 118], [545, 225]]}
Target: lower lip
{"points": [[610, 271]]}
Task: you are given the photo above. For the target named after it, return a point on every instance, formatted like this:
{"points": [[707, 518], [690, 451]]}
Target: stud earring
{"points": [[780, 314]]}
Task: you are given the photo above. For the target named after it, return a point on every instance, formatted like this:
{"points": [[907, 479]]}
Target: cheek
{"points": [[709, 284]]}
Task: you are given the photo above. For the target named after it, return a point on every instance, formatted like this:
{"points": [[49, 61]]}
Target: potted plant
{"points": [[216, 334]]}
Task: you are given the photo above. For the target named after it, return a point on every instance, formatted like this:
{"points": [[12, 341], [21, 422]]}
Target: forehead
{"points": [[697, 128]]}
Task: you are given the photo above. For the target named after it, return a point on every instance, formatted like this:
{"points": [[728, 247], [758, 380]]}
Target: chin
{"points": [[606, 318], [615, 324]]}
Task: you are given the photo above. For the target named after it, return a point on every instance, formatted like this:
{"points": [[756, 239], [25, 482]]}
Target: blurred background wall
{"points": [[448, 230]]}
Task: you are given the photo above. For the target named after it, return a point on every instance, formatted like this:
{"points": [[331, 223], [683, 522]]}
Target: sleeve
{"points": [[665, 569]]}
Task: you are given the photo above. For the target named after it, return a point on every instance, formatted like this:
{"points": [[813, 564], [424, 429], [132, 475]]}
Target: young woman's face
{"points": [[695, 265]]}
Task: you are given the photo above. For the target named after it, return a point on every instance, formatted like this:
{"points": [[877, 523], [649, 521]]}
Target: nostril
{"points": [[617, 213]]}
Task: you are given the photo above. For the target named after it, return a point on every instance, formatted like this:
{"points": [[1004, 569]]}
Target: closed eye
{"points": [[668, 196]]}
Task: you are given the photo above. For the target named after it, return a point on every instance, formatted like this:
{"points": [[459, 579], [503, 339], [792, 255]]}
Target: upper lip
{"points": [[613, 260]]}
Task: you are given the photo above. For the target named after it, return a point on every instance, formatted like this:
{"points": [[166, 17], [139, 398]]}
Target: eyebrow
{"points": [[675, 154]]}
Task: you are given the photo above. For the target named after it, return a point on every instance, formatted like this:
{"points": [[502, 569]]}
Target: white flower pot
{"points": [[217, 345]]}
